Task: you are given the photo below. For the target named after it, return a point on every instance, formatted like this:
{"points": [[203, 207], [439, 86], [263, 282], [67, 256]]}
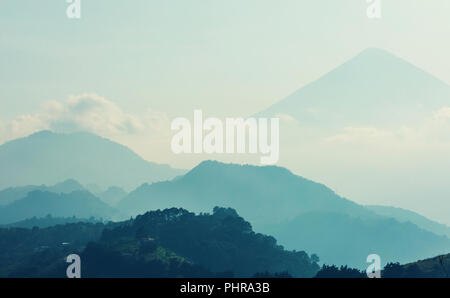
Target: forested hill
{"points": [[168, 243], [222, 241]]}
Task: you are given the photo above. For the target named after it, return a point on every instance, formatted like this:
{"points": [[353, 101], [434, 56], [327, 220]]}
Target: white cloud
{"points": [[21, 126], [86, 112], [90, 112], [431, 130], [360, 134]]}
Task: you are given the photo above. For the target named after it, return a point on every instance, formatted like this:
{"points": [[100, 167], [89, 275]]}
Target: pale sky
{"points": [[141, 63], [222, 56]]}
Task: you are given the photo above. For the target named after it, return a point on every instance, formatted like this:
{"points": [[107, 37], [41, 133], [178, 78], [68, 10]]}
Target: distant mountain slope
{"points": [[403, 215], [47, 158], [48, 221], [361, 90], [39, 204], [344, 240], [12, 194], [262, 194], [302, 213]]}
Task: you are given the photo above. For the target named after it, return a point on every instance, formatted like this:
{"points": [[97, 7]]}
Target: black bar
{"points": [[242, 287]]}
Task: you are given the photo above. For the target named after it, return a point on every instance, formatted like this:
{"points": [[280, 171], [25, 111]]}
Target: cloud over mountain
{"points": [[85, 112]]}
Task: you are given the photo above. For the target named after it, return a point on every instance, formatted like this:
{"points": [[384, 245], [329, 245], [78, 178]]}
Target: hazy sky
{"points": [[135, 65], [222, 56]]}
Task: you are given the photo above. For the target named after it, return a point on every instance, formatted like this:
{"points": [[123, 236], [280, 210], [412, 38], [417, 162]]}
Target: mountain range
{"points": [[17, 203], [48, 158], [301, 213]]}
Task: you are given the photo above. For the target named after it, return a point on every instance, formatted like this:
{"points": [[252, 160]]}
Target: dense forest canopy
{"points": [[165, 243]]}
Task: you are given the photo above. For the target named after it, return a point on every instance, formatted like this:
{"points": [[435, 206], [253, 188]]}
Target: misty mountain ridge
{"points": [[82, 156], [81, 204], [345, 240], [11, 194], [403, 215], [252, 190], [111, 196]]}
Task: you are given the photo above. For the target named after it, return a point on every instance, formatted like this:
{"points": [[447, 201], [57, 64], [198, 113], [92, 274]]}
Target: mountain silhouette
{"points": [[301, 213], [81, 204], [12, 194], [373, 88], [48, 158], [252, 190], [403, 215]]}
